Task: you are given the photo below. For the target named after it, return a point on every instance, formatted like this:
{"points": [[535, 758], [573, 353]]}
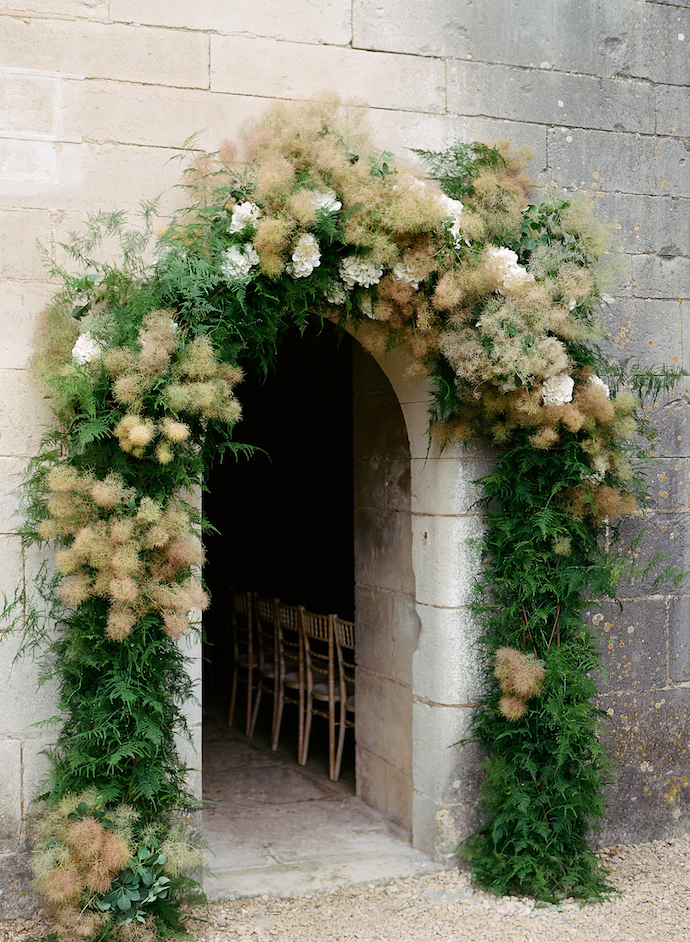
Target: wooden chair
{"points": [[266, 624], [245, 656], [320, 673], [290, 670], [344, 636]]}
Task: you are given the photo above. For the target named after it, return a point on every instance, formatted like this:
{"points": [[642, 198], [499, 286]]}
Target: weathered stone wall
{"points": [[96, 95]]}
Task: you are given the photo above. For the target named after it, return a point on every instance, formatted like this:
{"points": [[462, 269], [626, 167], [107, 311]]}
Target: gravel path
{"points": [[654, 906]]}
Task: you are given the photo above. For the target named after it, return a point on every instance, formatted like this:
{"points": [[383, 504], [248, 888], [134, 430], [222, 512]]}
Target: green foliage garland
{"points": [[493, 297]]}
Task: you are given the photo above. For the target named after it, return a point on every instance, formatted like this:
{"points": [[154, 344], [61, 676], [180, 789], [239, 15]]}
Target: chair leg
{"points": [[331, 742], [304, 750], [250, 682], [341, 742], [255, 711], [233, 696], [274, 738], [277, 720]]}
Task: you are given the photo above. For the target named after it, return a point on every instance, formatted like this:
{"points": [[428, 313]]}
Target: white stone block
{"points": [[20, 303], [384, 719], [83, 9], [446, 663], [328, 21], [23, 415], [289, 70], [10, 795], [437, 758], [29, 162], [105, 50], [445, 559], [29, 103], [25, 703], [11, 476], [449, 487], [35, 767]]}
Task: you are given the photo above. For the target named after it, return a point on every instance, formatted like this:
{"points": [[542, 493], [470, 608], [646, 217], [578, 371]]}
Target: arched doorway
{"points": [[321, 517]]}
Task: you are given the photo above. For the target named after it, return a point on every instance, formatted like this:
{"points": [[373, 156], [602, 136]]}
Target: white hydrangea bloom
{"points": [[244, 214], [557, 390], [368, 308], [335, 293], [355, 270], [403, 272], [86, 349], [305, 258], [452, 209], [595, 380], [238, 261], [326, 200], [504, 264]]}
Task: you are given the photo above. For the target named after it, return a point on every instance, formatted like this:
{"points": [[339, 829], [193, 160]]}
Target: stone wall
{"points": [[97, 95]]}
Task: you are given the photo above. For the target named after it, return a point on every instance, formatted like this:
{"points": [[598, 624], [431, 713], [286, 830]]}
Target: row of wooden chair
{"points": [[300, 658]]}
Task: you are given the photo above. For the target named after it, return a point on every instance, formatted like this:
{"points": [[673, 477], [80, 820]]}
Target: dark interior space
{"points": [[284, 516]]}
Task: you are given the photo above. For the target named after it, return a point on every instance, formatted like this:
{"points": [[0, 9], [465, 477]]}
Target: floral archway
{"points": [[497, 299]]}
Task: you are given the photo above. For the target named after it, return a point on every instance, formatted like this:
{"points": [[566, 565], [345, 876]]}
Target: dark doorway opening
{"points": [[284, 517]]}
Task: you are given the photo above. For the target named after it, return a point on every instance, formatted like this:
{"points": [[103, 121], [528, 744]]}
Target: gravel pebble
{"points": [[654, 880]]}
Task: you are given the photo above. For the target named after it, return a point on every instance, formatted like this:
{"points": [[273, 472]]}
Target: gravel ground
{"points": [[654, 906]]}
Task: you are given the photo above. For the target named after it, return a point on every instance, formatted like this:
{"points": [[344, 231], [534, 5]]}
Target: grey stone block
{"points": [[384, 719], [382, 550], [10, 795], [651, 331], [668, 485], [16, 899], [655, 277], [648, 735], [627, 163], [679, 637], [633, 643], [406, 629], [544, 97], [448, 639], [658, 533], [374, 620], [672, 110], [649, 225], [439, 827], [671, 422], [441, 765]]}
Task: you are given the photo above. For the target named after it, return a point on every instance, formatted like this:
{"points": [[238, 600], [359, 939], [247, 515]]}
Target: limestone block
{"points": [[399, 796], [297, 21], [384, 718], [438, 827], [379, 429], [290, 70], [189, 748], [649, 736], [449, 487], [10, 795], [384, 787], [11, 565], [649, 225], [651, 331], [11, 473], [668, 485], [20, 256], [665, 533], [90, 177], [83, 9], [627, 163], [406, 628], [29, 162], [35, 768], [671, 421], [445, 561], [374, 627], [656, 277], [158, 115], [672, 110], [370, 481], [439, 763], [16, 898], [25, 703], [679, 638], [446, 666], [383, 543], [632, 642], [549, 97], [21, 303], [22, 414], [106, 50], [427, 446], [29, 103]]}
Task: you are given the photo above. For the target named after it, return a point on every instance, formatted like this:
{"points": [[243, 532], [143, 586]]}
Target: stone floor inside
{"points": [[274, 827]]}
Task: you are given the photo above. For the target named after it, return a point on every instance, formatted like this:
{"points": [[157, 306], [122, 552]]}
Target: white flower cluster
{"points": [[335, 293], [243, 215], [595, 380], [305, 258], [452, 209], [557, 390], [403, 272], [238, 261], [326, 201], [504, 264], [86, 349], [355, 270]]}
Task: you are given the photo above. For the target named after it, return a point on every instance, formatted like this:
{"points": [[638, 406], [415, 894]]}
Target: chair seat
{"points": [[320, 691], [291, 679], [350, 703]]}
